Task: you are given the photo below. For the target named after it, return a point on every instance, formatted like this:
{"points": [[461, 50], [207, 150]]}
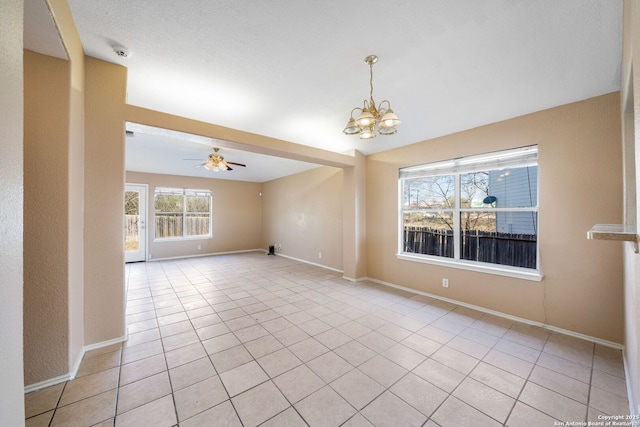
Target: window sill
{"points": [[515, 272], [181, 239]]}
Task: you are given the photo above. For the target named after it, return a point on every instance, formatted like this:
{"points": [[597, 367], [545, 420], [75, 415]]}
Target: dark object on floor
{"points": [[272, 250]]}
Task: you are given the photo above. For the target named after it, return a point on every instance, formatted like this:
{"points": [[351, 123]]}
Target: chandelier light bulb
{"points": [[373, 120]]}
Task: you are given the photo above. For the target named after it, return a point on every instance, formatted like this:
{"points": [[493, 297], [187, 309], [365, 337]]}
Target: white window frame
{"points": [[519, 157], [184, 192]]}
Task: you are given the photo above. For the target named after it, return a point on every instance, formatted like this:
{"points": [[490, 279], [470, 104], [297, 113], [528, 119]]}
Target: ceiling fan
{"points": [[216, 162]]}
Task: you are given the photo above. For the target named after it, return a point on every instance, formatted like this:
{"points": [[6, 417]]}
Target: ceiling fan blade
{"points": [[237, 164]]}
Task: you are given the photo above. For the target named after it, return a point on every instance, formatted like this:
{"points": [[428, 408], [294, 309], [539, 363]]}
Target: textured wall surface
{"points": [[580, 183], [11, 222]]}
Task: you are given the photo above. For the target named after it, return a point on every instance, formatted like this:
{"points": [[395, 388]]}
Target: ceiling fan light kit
{"points": [[217, 163], [372, 120]]}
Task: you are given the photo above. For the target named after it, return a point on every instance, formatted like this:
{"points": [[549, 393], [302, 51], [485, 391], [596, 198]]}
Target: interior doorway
{"points": [[135, 219]]}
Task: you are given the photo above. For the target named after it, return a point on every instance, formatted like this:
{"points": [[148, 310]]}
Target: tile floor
{"points": [[250, 339]]}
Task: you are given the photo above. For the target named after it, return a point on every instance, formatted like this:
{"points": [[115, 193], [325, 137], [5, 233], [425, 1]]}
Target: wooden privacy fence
{"points": [[518, 250], [171, 226], [131, 228]]}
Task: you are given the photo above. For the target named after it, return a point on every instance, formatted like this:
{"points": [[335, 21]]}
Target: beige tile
{"points": [[421, 344], [395, 332], [329, 366], [191, 373], [141, 337], [531, 336], [357, 421], [455, 413], [611, 383], [525, 416], [354, 329], [211, 331], [439, 375], [509, 363], [559, 383], [376, 341], [159, 413], [287, 418], [277, 324], [263, 346], [41, 420], [404, 356], [314, 327], [89, 385], [172, 318], [142, 368], [485, 399], [259, 404], [314, 408], [180, 340], [308, 349], [42, 400], [298, 383], [332, 338], [552, 403], [243, 377], [357, 388], [220, 343], [566, 367], [199, 397], [278, 362], [231, 358], [518, 350], [455, 359], [99, 362], [87, 411], [503, 381], [141, 351], [354, 353], [436, 334], [175, 328], [389, 410], [420, 394], [184, 355], [609, 360], [144, 391], [608, 402], [290, 335], [480, 337], [240, 322], [220, 415]]}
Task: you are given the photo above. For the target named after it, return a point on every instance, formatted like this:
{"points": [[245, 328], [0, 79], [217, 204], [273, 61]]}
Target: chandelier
{"points": [[372, 120]]}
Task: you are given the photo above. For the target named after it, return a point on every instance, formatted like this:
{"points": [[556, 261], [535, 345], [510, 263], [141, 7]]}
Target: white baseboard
{"points": [[605, 343], [309, 262], [207, 254], [74, 370]]}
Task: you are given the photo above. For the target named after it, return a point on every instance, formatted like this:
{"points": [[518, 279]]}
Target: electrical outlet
{"points": [[445, 283], [279, 248], [199, 247], [319, 254]]}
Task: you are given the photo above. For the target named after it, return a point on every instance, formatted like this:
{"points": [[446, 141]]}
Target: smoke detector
{"points": [[122, 51]]}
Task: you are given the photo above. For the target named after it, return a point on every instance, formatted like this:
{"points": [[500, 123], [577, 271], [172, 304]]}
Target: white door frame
{"points": [[141, 255]]}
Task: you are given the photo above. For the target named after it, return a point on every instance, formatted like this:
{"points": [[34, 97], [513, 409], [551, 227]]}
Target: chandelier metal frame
{"points": [[372, 120]]}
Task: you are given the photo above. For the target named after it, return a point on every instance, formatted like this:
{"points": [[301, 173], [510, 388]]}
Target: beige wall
{"points": [[630, 104], [303, 213], [11, 222], [105, 91], [46, 151], [75, 181], [237, 215], [580, 185]]}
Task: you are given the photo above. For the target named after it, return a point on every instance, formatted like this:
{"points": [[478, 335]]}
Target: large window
{"points": [[475, 212], [182, 213]]}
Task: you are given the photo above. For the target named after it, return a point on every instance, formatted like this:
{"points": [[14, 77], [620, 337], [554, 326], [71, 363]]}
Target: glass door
{"points": [[135, 218]]}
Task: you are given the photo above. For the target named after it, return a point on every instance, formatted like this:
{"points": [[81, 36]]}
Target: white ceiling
{"points": [[293, 69]]}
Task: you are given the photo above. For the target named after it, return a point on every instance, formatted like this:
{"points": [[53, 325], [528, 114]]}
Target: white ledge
{"points": [[620, 232]]}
